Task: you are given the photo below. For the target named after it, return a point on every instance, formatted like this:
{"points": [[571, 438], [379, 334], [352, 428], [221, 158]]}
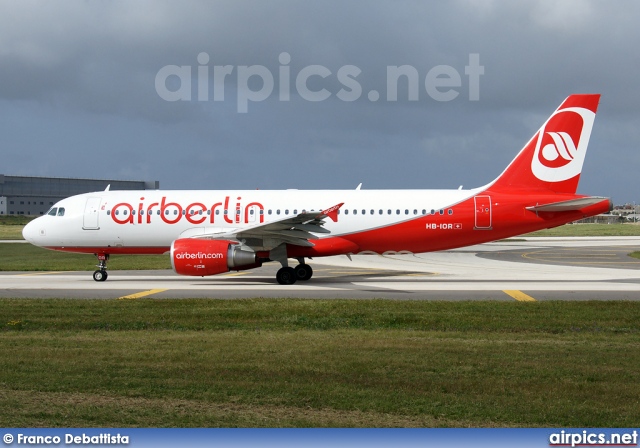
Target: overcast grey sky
{"points": [[78, 94]]}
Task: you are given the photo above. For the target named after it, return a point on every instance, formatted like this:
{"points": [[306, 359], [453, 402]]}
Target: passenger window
{"points": [[133, 212], [406, 212], [424, 212], [278, 212], [380, 212], [286, 212], [397, 211], [269, 212], [372, 212], [108, 212], [295, 212], [61, 211], [450, 211], [346, 212], [415, 212], [355, 212], [53, 211], [442, 212], [389, 212]]}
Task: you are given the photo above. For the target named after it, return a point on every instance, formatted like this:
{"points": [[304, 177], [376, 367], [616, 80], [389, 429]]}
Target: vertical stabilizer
{"points": [[552, 160]]}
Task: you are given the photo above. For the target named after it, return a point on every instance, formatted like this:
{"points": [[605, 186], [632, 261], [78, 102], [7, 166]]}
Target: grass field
{"points": [[365, 363], [26, 257], [11, 232], [11, 227], [14, 220]]}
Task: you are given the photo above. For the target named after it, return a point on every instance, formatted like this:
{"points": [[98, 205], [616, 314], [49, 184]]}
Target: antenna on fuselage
{"points": [[108, 186], [359, 186]]}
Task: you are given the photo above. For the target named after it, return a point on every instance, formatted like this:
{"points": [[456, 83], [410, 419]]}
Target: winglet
{"points": [[332, 212]]}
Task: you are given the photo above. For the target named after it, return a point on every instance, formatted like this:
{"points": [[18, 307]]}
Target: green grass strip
{"points": [[284, 362], [11, 232], [26, 257]]}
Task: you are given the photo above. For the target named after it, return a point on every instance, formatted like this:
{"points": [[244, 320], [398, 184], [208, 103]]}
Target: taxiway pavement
{"points": [[519, 269]]}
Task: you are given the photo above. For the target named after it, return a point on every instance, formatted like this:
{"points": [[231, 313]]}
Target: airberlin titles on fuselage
{"points": [[195, 213]]}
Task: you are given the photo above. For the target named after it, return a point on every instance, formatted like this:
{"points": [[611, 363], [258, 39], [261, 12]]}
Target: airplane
{"points": [[213, 232]]}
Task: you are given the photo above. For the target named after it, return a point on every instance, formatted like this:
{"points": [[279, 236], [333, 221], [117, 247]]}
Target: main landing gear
{"points": [[288, 276], [100, 274]]}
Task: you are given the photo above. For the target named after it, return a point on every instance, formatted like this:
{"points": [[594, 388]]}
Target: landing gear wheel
{"points": [[303, 272], [100, 275], [286, 276]]}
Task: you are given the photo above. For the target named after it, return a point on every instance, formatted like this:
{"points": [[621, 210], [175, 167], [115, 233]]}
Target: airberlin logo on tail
{"points": [[562, 149], [562, 144]]}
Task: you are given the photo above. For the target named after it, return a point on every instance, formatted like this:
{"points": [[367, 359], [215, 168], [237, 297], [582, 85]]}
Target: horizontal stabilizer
{"points": [[564, 206]]}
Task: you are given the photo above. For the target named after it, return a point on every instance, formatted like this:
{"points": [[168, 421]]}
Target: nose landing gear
{"points": [[100, 274]]}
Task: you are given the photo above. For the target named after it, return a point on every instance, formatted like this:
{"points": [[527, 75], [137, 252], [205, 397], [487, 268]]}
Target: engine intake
{"points": [[210, 257]]}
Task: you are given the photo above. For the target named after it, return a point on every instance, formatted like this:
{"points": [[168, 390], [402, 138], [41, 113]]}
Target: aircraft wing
{"points": [[297, 230]]}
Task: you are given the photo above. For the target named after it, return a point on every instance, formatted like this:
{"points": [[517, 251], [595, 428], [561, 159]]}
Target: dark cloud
{"points": [[78, 95]]}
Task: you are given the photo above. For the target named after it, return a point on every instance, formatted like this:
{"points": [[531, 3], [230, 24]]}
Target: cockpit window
{"points": [[61, 211], [53, 211]]}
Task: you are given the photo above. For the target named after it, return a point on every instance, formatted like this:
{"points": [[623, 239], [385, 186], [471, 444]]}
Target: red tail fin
{"points": [[552, 160]]}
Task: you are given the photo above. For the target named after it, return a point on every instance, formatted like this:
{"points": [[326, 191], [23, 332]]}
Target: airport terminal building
{"points": [[34, 196]]}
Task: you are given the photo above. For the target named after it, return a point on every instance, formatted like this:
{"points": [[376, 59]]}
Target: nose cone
{"points": [[30, 231]]}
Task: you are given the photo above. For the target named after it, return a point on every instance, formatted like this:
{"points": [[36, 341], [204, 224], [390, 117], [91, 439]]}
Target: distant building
{"points": [[605, 218], [26, 195]]}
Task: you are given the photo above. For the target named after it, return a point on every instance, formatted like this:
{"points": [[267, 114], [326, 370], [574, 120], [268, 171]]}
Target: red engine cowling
{"points": [[210, 257]]}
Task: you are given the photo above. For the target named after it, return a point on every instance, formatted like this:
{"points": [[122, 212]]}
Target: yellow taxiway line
{"points": [[141, 294], [519, 295]]}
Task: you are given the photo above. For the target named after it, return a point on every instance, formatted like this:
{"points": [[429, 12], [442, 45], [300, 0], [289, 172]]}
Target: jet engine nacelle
{"points": [[210, 257]]}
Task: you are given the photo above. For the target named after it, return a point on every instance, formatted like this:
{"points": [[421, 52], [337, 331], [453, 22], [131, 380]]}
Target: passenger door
{"points": [[91, 214]]}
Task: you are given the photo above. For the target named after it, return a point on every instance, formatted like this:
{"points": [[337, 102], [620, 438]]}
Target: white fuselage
{"points": [[156, 218]]}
